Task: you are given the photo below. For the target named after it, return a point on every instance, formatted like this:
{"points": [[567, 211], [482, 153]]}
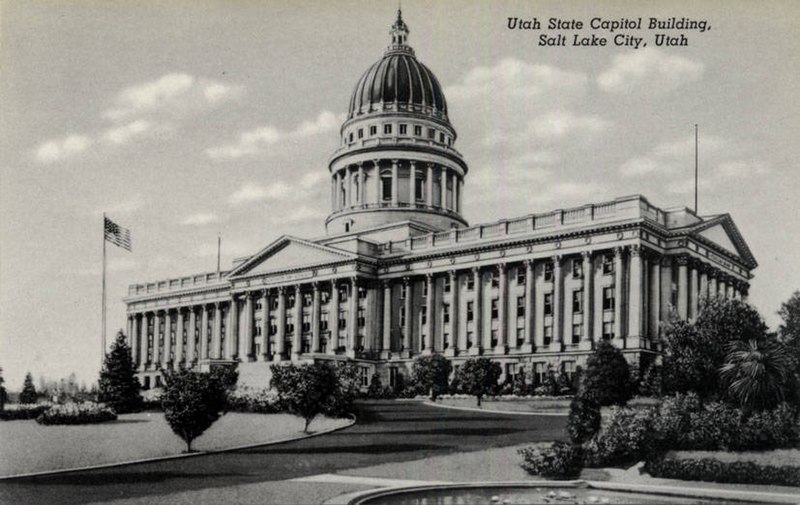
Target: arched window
{"points": [[386, 185]]}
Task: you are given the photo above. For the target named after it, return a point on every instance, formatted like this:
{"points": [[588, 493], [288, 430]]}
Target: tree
{"points": [[28, 394], [478, 377], [3, 394], [375, 389], [758, 374], [607, 379], [192, 402], [119, 386], [584, 419], [789, 331], [432, 374], [305, 389]]}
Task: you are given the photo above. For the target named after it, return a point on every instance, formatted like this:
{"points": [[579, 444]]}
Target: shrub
{"points": [[623, 440], [192, 402], [119, 387], [652, 382], [431, 374], [770, 429], [23, 412], [758, 374], [304, 390], [559, 460], [77, 413], [709, 469], [584, 419], [478, 377], [521, 387], [262, 401], [346, 388], [375, 390], [28, 394], [712, 427], [607, 379]]}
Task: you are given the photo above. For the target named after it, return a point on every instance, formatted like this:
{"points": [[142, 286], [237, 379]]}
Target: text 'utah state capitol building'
{"points": [[401, 273]]}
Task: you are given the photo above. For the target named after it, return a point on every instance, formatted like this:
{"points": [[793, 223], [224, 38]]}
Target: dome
{"points": [[399, 78]]}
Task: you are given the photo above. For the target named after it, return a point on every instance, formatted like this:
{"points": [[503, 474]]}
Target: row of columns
{"points": [[350, 182]]}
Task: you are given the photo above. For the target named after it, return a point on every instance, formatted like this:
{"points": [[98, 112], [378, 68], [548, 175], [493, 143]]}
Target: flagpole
{"points": [[219, 249], [103, 334], [696, 169]]}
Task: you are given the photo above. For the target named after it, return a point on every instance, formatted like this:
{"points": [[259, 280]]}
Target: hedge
{"points": [[23, 412], [709, 469], [77, 413]]}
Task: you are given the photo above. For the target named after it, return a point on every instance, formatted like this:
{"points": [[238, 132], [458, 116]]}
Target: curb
{"points": [[486, 411], [175, 456]]}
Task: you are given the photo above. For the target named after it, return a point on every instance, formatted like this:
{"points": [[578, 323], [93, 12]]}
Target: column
{"points": [[165, 352], [409, 287], [712, 285], [204, 333], [179, 340], [191, 345], [246, 337], [694, 290], [361, 191], [477, 343], [502, 311], [558, 306], [455, 193], [703, 283], [430, 333], [618, 295], [333, 318], [315, 319], [264, 325], [156, 338], [530, 293], [723, 286], [140, 329], [588, 312], [443, 184], [386, 348], [395, 187], [455, 333], [635, 307], [297, 336], [348, 187], [429, 186], [683, 284], [412, 183], [377, 182], [352, 319], [232, 334], [655, 297], [129, 334], [136, 352], [280, 337]]}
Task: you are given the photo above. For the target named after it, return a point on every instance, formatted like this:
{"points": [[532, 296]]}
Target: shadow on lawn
{"points": [[114, 478], [363, 449]]}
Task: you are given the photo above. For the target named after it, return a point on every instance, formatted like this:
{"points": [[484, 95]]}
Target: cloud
{"points": [[557, 124], [256, 140], [251, 192], [670, 157], [648, 68], [740, 169], [122, 207], [200, 219], [59, 149], [171, 91], [124, 134]]}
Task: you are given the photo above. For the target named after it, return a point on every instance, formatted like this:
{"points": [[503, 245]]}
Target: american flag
{"points": [[117, 235]]}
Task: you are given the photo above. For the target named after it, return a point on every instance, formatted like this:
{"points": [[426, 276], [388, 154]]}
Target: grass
{"points": [[544, 404], [777, 457], [29, 447]]}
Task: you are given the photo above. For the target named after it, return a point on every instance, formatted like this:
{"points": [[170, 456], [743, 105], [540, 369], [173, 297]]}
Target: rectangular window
{"points": [[445, 313], [495, 281], [423, 317], [361, 133], [577, 301], [577, 269], [470, 283], [569, 370], [342, 295], [306, 323], [387, 129], [608, 264], [548, 335], [393, 370], [324, 297], [259, 306], [608, 330], [577, 331], [431, 133], [495, 309], [494, 338], [273, 326], [308, 299], [403, 129], [362, 293], [469, 339], [520, 276], [373, 130], [548, 272], [441, 137], [520, 306], [548, 304], [417, 130], [447, 284], [361, 318], [290, 301], [342, 320], [290, 324], [323, 321], [424, 290], [402, 316], [539, 372], [608, 298], [351, 136], [520, 336], [258, 331], [470, 311], [363, 373], [403, 291], [273, 304]]}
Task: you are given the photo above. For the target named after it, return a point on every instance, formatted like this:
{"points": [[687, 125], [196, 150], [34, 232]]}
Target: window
{"points": [[308, 298], [577, 301], [577, 269], [393, 373], [373, 130], [423, 317], [362, 293], [417, 130], [419, 186], [305, 346], [520, 276], [608, 330], [431, 133], [273, 326], [361, 318], [447, 284], [402, 316], [469, 339], [363, 373], [387, 129], [342, 294], [424, 290], [403, 291], [608, 264], [539, 372], [569, 370], [548, 335], [289, 324], [608, 298], [259, 306], [360, 133], [306, 323], [147, 383], [158, 381], [323, 321], [258, 330], [351, 137], [520, 306], [577, 331], [403, 129], [324, 297], [470, 283], [494, 338], [548, 272], [273, 304], [445, 340], [441, 137], [548, 304], [520, 335], [495, 280], [445, 313], [386, 186], [495, 309], [290, 301], [342, 320], [470, 311]]}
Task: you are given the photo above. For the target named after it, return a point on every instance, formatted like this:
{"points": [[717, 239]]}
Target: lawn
{"points": [[30, 447], [544, 404], [777, 457]]}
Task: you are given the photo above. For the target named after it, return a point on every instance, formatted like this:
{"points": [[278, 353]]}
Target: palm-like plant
{"points": [[757, 373]]}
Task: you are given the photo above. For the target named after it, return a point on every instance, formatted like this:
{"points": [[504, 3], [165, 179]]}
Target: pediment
{"points": [[288, 253], [719, 236], [722, 232]]}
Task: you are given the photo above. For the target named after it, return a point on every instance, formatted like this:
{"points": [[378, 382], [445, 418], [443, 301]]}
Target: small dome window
{"points": [[387, 129], [417, 130], [403, 129], [373, 130], [360, 133], [431, 133]]}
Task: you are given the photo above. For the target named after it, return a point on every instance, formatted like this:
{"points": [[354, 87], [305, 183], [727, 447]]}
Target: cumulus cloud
{"points": [[651, 68], [669, 157], [557, 124], [254, 141], [171, 91], [251, 192], [62, 148], [200, 219], [124, 134]]}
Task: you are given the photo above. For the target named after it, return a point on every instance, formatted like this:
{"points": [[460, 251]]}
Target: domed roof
{"points": [[398, 77]]}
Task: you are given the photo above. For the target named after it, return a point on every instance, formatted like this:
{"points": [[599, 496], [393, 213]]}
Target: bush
{"points": [[305, 390], [23, 412], [262, 401], [478, 377], [346, 388], [376, 389], [77, 413], [431, 374], [623, 441], [560, 460], [652, 383], [192, 402], [584, 419], [772, 429], [709, 469], [607, 379]]}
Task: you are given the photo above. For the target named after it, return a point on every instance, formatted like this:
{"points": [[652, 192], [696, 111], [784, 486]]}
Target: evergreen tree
{"points": [[608, 378], [28, 394], [119, 386], [3, 394]]}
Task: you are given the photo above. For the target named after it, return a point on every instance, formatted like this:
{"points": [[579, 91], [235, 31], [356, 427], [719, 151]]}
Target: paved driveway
{"points": [[386, 432]]}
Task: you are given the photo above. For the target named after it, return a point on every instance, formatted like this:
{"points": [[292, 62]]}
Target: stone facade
{"points": [[401, 273]]}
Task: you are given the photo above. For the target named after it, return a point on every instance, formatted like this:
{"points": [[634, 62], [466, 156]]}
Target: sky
{"points": [[186, 120]]}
